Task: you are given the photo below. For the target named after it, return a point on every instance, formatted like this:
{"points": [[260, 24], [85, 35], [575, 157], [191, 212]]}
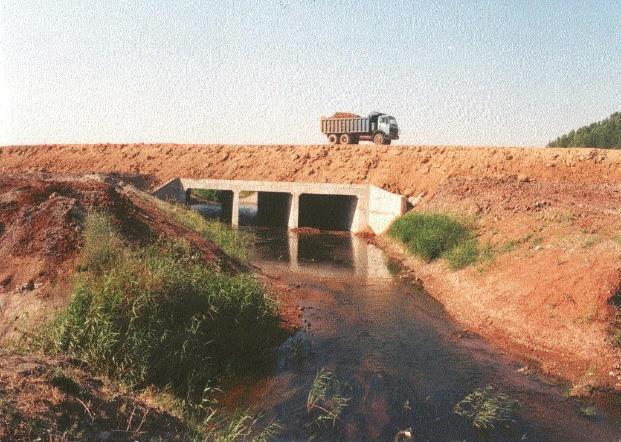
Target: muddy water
{"points": [[405, 361]]}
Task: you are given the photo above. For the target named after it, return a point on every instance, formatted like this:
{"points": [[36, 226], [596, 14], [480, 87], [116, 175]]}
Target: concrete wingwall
{"points": [[172, 191], [373, 208], [384, 207]]}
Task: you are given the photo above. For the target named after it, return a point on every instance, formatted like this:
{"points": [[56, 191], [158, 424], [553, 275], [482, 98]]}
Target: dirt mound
{"points": [[53, 399], [344, 115], [41, 220]]}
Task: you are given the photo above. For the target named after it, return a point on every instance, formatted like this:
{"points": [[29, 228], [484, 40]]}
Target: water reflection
{"points": [[324, 254]]}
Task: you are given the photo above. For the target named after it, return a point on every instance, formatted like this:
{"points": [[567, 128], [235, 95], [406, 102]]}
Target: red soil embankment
{"points": [[407, 170], [41, 221], [551, 218]]}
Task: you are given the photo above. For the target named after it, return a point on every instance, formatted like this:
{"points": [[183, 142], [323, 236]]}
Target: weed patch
{"points": [[210, 422], [513, 244], [486, 408], [156, 316], [207, 194], [103, 246], [588, 411]]}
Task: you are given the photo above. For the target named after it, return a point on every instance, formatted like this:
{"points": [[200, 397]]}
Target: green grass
{"points": [[103, 246], [232, 242], [155, 315], [463, 254], [429, 235], [513, 244], [327, 399], [487, 408], [434, 235], [616, 337], [210, 422]]}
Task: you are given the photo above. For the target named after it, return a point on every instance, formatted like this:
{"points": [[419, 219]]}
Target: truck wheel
{"points": [[378, 138], [345, 139], [333, 139]]}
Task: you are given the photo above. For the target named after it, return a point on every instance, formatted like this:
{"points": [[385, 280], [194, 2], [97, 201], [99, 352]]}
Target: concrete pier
{"points": [[354, 207]]}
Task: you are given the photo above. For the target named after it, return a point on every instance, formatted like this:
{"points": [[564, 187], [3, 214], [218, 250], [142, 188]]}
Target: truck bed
{"points": [[344, 125]]}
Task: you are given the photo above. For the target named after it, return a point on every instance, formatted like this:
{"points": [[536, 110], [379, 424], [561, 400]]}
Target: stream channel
{"points": [[402, 359]]}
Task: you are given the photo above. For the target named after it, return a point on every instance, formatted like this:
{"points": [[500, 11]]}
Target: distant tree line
{"points": [[604, 134]]}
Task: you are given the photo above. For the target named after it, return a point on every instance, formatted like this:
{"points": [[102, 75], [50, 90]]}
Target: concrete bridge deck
{"points": [[354, 207]]}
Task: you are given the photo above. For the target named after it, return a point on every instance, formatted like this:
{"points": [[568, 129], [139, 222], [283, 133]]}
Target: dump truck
{"points": [[346, 128]]}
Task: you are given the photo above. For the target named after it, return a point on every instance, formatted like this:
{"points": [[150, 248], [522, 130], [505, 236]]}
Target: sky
{"points": [[513, 73]]}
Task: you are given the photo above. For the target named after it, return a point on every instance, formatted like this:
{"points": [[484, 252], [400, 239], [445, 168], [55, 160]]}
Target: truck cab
{"points": [[384, 128]]}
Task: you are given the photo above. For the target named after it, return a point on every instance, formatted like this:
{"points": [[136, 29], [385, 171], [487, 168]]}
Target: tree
{"points": [[604, 134]]}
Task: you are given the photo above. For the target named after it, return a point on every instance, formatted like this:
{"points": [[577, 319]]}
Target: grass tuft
{"points": [[429, 235], [103, 246], [463, 254], [207, 194], [434, 235], [208, 421], [487, 408], [616, 337], [327, 399]]}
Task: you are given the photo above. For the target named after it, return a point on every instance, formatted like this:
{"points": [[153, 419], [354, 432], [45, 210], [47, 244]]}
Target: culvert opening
{"points": [[271, 209], [327, 212], [212, 203]]}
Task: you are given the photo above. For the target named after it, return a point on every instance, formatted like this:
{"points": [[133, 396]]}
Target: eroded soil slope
{"points": [[41, 220], [548, 277], [54, 396]]}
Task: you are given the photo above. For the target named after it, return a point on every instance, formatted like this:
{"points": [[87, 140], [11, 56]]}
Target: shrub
{"points": [[429, 235], [487, 408], [156, 315], [463, 254]]}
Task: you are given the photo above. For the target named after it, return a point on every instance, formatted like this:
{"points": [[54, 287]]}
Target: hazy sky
{"points": [[482, 73]]}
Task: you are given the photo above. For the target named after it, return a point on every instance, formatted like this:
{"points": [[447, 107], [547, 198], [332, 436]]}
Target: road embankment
{"points": [[549, 218]]}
